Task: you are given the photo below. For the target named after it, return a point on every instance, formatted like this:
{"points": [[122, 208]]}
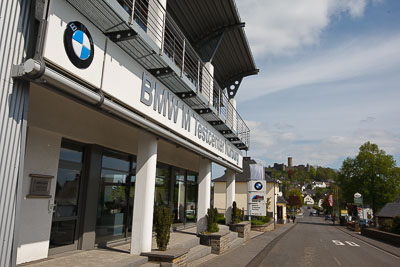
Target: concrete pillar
{"points": [[204, 194], [142, 223], [230, 194]]}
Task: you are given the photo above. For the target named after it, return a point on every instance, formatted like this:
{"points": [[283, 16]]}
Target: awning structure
{"points": [[203, 22]]}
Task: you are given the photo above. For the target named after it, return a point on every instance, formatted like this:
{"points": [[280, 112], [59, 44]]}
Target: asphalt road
{"points": [[314, 242]]}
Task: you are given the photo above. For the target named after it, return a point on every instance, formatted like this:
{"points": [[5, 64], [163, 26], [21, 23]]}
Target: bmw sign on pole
{"points": [[256, 198]]}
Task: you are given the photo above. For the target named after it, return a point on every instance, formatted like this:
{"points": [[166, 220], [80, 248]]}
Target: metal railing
{"points": [[152, 17]]}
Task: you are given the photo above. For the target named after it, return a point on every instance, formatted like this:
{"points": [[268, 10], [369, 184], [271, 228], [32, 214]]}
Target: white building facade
{"points": [[126, 110]]}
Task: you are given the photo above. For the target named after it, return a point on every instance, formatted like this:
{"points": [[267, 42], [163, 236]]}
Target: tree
{"points": [[372, 173], [295, 199]]}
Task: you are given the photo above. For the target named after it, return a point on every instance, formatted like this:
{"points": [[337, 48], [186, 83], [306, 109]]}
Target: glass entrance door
{"points": [[115, 206], [64, 228]]}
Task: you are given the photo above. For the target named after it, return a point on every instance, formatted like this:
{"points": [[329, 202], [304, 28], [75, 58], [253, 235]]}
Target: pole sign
{"points": [[358, 199], [256, 198], [330, 199]]}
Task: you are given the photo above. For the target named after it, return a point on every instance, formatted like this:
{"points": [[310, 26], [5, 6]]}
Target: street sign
{"points": [[357, 195], [256, 198], [358, 201], [330, 199]]}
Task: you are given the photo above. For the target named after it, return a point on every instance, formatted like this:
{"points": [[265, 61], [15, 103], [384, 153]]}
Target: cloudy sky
{"points": [[329, 79]]}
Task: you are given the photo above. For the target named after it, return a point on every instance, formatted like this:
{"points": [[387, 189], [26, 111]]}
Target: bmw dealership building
{"points": [[107, 106]]}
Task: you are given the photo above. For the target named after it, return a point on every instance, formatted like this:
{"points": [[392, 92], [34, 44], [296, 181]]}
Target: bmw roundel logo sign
{"points": [[258, 186], [78, 44]]}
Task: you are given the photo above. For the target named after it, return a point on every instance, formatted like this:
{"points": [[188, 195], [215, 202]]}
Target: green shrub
{"points": [[257, 222], [396, 225], [162, 225], [236, 214], [212, 225], [220, 218], [386, 225]]}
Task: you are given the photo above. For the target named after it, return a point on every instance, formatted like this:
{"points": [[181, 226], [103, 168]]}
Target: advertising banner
{"points": [[256, 198]]}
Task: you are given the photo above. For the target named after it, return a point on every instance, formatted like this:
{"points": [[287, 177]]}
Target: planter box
{"points": [[354, 226], [243, 229], [267, 227], [170, 258], [219, 242]]}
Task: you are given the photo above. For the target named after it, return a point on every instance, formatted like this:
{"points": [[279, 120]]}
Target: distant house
{"points": [[318, 185], [308, 200], [388, 212], [281, 210]]}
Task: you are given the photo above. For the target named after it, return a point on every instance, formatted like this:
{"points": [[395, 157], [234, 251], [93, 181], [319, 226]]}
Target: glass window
{"points": [[70, 154], [162, 184], [114, 210], [191, 197]]}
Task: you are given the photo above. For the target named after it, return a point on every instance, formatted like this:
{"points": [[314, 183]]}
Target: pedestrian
{"points": [[294, 218]]}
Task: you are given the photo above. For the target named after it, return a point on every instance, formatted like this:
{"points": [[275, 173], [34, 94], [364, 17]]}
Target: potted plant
{"points": [[162, 224]]}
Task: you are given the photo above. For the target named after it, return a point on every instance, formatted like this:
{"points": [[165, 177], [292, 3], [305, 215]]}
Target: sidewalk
{"points": [[244, 254], [381, 245]]}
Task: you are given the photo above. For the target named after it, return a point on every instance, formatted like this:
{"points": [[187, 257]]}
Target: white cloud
{"points": [[364, 56], [277, 27], [327, 151]]}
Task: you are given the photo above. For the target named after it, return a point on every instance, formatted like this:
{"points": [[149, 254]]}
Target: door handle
{"points": [[52, 207]]}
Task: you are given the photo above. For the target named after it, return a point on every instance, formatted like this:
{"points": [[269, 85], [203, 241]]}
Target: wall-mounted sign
{"points": [[78, 44], [40, 186], [256, 198], [120, 76]]}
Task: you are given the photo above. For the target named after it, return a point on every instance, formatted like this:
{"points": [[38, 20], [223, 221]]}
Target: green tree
{"points": [[372, 173], [296, 202]]}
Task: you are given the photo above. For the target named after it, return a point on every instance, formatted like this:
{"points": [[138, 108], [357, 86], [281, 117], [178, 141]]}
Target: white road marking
{"points": [[338, 243], [337, 261], [352, 244]]}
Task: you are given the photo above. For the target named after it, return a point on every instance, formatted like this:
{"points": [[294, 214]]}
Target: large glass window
{"points": [[162, 184], [191, 197], [115, 204], [179, 195]]}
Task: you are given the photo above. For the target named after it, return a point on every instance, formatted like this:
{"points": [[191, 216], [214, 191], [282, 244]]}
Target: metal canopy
{"points": [[200, 19]]}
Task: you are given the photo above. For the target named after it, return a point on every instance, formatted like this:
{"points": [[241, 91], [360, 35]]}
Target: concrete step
{"points": [[132, 261], [150, 264], [198, 252], [180, 240], [233, 236], [202, 260]]}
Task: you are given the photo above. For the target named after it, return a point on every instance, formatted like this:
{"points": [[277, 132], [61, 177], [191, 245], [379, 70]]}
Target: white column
{"points": [[230, 194], [204, 194], [142, 223]]}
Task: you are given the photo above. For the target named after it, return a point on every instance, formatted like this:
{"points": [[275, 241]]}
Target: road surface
{"points": [[314, 242]]}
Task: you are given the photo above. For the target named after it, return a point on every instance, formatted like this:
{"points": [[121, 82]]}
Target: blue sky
{"points": [[329, 79]]}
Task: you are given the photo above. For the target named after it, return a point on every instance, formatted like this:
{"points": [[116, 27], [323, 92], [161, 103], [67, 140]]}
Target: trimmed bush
{"points": [[212, 225], [236, 214], [162, 225]]}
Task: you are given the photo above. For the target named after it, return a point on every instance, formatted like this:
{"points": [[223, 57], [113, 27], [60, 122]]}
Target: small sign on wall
{"points": [[40, 186]]}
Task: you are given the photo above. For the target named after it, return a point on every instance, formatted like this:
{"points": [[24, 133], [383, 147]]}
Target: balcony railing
{"points": [[152, 17]]}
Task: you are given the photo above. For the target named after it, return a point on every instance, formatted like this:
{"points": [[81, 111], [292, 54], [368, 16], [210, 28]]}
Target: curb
{"points": [[385, 250]]}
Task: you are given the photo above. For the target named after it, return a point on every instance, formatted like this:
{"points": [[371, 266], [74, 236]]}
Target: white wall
{"points": [[42, 154], [220, 196]]}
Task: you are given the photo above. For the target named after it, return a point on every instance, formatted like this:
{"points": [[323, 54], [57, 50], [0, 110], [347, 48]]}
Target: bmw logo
{"points": [[258, 186], [78, 44]]}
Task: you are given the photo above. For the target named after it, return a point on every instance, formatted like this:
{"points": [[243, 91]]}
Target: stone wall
{"points": [[264, 228], [386, 237], [243, 229], [219, 242]]}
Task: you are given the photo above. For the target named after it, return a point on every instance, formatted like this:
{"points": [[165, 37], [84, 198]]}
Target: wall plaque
{"points": [[40, 186]]}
